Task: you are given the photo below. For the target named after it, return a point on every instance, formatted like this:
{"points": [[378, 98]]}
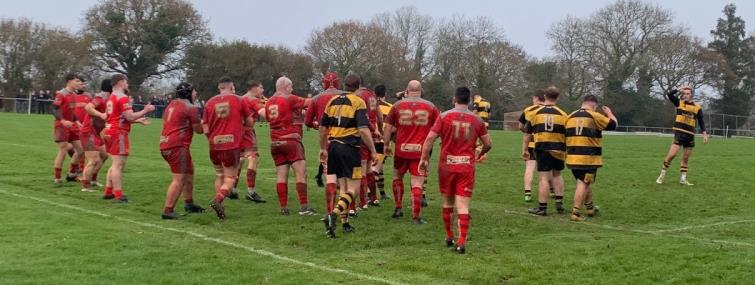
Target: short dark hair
{"points": [[590, 98], [106, 85], [117, 78], [225, 79], [352, 82], [540, 94], [380, 90], [251, 84], [72, 76], [551, 93], [462, 95]]}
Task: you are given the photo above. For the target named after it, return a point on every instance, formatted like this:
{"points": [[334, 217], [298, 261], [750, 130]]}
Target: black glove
{"points": [[673, 92]]}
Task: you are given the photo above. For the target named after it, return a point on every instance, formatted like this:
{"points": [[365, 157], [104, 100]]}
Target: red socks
{"points": [[73, 168], [330, 196], [363, 192], [372, 186], [416, 201], [94, 176], [57, 173], [81, 166], [118, 193], [168, 210], [446, 213], [108, 191], [301, 190], [398, 193], [251, 177], [282, 189], [221, 194], [85, 183], [463, 228]]}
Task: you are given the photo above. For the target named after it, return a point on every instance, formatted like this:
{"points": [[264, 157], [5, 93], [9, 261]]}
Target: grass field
{"points": [[646, 233]]}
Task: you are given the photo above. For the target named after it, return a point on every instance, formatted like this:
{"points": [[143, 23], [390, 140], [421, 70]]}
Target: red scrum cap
{"points": [[330, 80]]}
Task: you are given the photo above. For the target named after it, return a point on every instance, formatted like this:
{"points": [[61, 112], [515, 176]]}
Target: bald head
{"points": [[414, 89], [284, 85]]}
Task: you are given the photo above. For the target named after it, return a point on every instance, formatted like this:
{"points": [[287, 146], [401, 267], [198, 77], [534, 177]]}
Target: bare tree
{"points": [[675, 60], [19, 39], [413, 33]]}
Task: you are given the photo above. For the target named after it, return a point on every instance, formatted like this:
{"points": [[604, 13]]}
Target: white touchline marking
{"points": [[207, 238], [659, 233], [703, 226]]}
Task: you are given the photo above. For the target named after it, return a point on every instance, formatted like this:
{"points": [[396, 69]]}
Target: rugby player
{"points": [[688, 116], [312, 118], [528, 149], [584, 150], [65, 129], [286, 143], [255, 101], [547, 124], [481, 108], [93, 122], [459, 130], [377, 170], [117, 128], [222, 122], [343, 130], [180, 122], [411, 119], [368, 183]]}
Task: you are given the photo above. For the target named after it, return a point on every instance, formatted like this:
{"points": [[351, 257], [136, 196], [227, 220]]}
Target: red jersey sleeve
{"points": [[244, 110], [437, 126], [125, 103], [310, 114], [59, 99]]}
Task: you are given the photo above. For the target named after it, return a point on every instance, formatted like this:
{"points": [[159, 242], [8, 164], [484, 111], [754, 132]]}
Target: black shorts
{"points": [[547, 162], [344, 161], [585, 175], [531, 150], [684, 139]]}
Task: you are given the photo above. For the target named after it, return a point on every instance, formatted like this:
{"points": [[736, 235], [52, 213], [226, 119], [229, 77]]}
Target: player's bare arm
{"points": [[323, 144], [427, 148], [93, 112], [487, 144], [366, 135], [132, 116], [387, 135]]}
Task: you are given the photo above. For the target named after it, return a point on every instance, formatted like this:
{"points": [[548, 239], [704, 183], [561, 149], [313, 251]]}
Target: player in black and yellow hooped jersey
{"points": [[584, 150], [528, 144], [548, 126], [688, 116], [343, 127], [481, 107], [384, 108]]}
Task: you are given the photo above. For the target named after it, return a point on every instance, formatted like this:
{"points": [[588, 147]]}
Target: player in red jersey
{"points": [[368, 183], [459, 130], [65, 131], [255, 102], [312, 118], [224, 116], [411, 119], [117, 128], [286, 143], [81, 100], [180, 122], [93, 123]]}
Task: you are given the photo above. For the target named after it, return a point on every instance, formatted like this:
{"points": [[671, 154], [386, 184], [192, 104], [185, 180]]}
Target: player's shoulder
{"points": [[385, 103], [531, 108]]}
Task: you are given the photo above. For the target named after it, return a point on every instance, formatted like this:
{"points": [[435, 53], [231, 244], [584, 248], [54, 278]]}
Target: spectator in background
{"points": [[35, 102], [46, 101]]}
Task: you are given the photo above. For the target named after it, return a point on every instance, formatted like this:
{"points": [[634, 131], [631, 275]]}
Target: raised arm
{"points": [[672, 97]]}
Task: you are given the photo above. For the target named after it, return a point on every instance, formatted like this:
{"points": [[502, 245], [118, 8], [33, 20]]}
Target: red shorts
{"points": [[117, 144], [286, 152], [225, 158], [63, 134], [402, 165], [248, 142], [364, 152], [90, 141], [456, 183], [179, 159]]}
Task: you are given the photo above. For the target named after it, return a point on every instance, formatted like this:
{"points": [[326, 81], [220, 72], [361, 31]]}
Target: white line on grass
{"points": [[212, 239], [659, 233], [703, 226]]}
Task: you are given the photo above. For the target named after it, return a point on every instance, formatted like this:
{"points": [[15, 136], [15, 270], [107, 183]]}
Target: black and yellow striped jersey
{"points": [[688, 115], [344, 115], [385, 107], [523, 120], [481, 108], [548, 125], [584, 138]]}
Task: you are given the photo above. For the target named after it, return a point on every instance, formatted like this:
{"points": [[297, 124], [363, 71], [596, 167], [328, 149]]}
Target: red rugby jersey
{"points": [[79, 102], [117, 104], [178, 121], [254, 105], [313, 116], [413, 118], [459, 129], [372, 106], [91, 123], [280, 112], [64, 100], [225, 114]]}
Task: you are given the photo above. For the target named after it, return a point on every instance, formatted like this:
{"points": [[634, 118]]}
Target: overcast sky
{"points": [[290, 22]]}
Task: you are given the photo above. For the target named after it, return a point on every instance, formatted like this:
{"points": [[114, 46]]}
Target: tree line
{"points": [[629, 53]]}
